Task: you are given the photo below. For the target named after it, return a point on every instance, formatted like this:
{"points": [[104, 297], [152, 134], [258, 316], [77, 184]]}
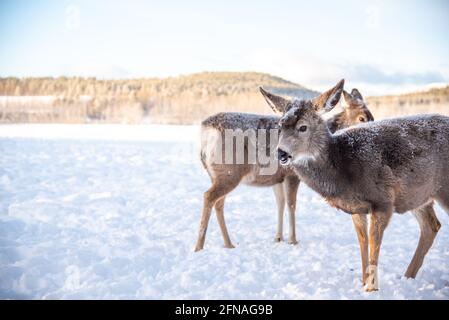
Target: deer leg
{"points": [[291, 185], [361, 227], [429, 225], [216, 191], [379, 222], [219, 209], [280, 201], [443, 199]]}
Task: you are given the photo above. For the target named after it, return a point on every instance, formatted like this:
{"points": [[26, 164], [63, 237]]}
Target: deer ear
{"points": [[353, 99], [329, 99], [277, 103], [348, 97], [356, 94]]}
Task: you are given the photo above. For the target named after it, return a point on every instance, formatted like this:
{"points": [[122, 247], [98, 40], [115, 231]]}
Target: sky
{"points": [[379, 46]]}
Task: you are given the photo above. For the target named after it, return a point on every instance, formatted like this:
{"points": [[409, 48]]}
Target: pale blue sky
{"points": [[381, 46]]}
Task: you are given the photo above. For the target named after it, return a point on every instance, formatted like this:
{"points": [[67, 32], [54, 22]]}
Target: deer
{"points": [[285, 183], [370, 170]]}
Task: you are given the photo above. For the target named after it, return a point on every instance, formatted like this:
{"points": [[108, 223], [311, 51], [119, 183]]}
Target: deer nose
{"points": [[283, 156]]}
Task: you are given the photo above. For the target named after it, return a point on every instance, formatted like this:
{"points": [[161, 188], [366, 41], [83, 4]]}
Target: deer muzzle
{"points": [[283, 157]]}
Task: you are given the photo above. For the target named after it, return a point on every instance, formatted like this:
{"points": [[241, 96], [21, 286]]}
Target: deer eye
{"points": [[362, 119], [302, 129]]}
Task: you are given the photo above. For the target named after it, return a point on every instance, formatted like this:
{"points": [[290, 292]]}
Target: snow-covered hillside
{"points": [[115, 214]]}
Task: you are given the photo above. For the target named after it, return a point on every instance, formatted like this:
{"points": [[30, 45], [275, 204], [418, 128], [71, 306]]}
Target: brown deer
{"points": [[285, 183], [377, 168]]}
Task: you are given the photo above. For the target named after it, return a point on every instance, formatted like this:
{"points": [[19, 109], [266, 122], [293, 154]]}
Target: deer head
{"points": [[303, 132], [355, 110]]}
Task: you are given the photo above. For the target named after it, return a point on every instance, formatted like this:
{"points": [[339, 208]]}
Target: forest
{"points": [[175, 100]]}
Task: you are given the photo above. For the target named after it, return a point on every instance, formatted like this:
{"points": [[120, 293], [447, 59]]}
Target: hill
{"points": [[434, 100], [182, 100], [176, 100]]}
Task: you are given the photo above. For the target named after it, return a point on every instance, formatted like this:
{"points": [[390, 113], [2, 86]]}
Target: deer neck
{"points": [[337, 122], [320, 172]]}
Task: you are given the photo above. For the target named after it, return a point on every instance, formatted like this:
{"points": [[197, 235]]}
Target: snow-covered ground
{"points": [[115, 214]]}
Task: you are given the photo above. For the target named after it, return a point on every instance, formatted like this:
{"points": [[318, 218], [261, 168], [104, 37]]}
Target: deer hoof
{"points": [[370, 288], [372, 279], [198, 249], [293, 242], [278, 239], [229, 246], [409, 275]]}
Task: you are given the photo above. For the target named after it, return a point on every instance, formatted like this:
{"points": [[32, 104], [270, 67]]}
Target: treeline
{"points": [[178, 100], [184, 99], [435, 100]]}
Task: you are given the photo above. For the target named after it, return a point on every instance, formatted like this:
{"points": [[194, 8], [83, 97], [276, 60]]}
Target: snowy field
{"points": [[111, 211]]}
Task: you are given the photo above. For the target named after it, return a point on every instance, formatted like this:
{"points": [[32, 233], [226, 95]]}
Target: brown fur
{"points": [[285, 183], [382, 167]]}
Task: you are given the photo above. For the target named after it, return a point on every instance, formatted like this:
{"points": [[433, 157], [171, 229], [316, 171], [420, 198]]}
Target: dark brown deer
{"points": [[377, 168], [226, 177]]}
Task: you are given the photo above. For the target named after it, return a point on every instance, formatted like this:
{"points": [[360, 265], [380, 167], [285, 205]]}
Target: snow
{"points": [[5, 100], [108, 132], [112, 211]]}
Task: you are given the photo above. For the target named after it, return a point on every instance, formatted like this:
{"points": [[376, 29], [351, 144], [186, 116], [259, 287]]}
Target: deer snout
{"points": [[284, 157]]}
